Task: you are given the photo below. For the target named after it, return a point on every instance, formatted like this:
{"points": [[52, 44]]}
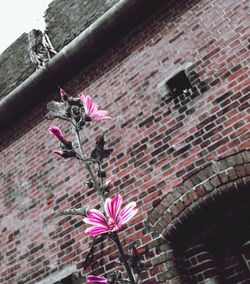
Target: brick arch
{"points": [[206, 187], [189, 253]]}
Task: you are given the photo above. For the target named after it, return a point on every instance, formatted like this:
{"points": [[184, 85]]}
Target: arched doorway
{"points": [[207, 224], [213, 244]]}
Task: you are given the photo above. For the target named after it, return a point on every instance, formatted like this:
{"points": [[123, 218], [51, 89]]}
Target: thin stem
{"points": [[124, 258], [87, 165], [101, 177], [138, 278]]}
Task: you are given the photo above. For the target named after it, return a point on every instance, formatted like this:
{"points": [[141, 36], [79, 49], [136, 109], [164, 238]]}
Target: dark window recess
{"points": [[178, 84], [67, 280], [71, 279]]}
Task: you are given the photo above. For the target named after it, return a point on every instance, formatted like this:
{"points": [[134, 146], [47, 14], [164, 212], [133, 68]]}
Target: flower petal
{"points": [[101, 114], [58, 152], [95, 217], [93, 110], [113, 206], [63, 93], [128, 212], [86, 101], [97, 230], [96, 279]]}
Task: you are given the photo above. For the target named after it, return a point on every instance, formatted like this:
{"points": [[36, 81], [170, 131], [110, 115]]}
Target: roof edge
{"points": [[92, 42]]}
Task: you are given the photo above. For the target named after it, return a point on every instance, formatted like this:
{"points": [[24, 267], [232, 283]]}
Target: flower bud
{"points": [[56, 131], [101, 174], [65, 153]]}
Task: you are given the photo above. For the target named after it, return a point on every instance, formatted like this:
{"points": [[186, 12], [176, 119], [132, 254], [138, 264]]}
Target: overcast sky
{"points": [[19, 16]]}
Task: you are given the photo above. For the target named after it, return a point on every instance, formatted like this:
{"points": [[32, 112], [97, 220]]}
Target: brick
{"points": [[223, 177], [215, 181], [212, 53], [147, 122], [223, 165], [155, 215], [160, 149], [241, 171], [186, 200], [200, 190], [160, 259], [180, 205], [195, 179], [192, 195], [163, 222]]}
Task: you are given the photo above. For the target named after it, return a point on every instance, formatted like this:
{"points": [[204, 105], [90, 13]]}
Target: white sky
{"points": [[19, 16]]}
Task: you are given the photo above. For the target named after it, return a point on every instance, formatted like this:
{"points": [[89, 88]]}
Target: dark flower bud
{"points": [[82, 122], [75, 110], [114, 276], [70, 100], [101, 174], [100, 142], [68, 112], [89, 184], [87, 118], [133, 250], [106, 186], [65, 153], [66, 146], [76, 113], [77, 102]]}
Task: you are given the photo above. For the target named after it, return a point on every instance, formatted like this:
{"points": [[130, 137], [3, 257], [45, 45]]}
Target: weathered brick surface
{"points": [[159, 143], [15, 65], [64, 21], [67, 19]]}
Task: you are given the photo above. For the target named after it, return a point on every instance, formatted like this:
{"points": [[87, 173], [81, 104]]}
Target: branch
{"points": [[73, 211], [87, 165], [123, 257], [90, 255]]}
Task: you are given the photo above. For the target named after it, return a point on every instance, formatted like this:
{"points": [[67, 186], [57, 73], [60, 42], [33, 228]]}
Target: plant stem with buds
{"points": [[123, 257], [87, 165]]}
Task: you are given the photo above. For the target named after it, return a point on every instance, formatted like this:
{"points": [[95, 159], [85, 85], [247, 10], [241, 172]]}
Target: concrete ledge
{"points": [[57, 276], [91, 43]]}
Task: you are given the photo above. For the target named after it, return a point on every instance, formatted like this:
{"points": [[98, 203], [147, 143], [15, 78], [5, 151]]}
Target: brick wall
{"points": [[159, 145]]}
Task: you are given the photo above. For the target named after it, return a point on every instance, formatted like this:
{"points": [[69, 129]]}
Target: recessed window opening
{"points": [[178, 84], [68, 275], [67, 280]]}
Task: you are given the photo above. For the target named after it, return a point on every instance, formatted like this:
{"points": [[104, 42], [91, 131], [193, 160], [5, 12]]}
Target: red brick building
{"points": [[174, 77]]}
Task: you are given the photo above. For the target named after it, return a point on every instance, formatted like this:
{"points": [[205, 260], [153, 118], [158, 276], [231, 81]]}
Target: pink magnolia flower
{"points": [[96, 279], [56, 131], [116, 216], [91, 109]]}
